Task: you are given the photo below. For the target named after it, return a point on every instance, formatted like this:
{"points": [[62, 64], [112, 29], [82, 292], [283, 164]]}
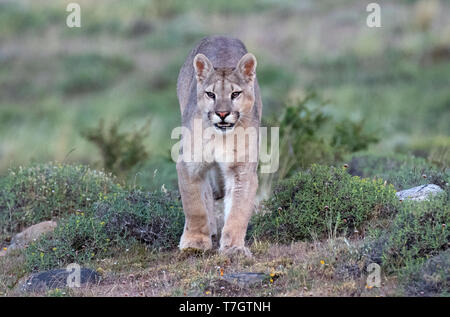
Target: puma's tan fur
{"points": [[215, 69]]}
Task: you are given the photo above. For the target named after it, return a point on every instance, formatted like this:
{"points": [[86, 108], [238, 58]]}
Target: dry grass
{"points": [[11, 271], [299, 269]]}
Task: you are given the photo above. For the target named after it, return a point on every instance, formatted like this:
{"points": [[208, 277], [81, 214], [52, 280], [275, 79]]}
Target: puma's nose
{"points": [[222, 114]]}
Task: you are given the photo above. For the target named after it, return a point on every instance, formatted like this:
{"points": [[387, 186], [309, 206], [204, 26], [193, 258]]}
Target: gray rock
{"points": [[52, 279], [30, 234], [419, 193], [246, 279]]}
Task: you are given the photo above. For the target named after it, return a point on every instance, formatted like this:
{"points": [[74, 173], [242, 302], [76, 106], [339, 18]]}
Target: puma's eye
{"points": [[210, 94], [235, 94]]}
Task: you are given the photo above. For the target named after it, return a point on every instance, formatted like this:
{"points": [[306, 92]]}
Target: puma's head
{"points": [[225, 95]]}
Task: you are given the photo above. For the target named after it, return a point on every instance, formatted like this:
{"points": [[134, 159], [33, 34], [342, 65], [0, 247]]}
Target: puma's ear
{"points": [[202, 67], [247, 66]]}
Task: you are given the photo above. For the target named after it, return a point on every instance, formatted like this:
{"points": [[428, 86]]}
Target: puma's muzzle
{"points": [[224, 121]]}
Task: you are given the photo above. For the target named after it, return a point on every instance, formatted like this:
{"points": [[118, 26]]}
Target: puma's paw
{"points": [[195, 242], [236, 251]]}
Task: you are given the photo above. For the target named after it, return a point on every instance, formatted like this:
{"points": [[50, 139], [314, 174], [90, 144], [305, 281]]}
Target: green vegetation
{"points": [[434, 149], [91, 72], [320, 202], [16, 17], [415, 247], [114, 224], [429, 278], [123, 62], [48, 191], [304, 126], [84, 97], [419, 231], [154, 218], [403, 171], [120, 151], [409, 240], [79, 238]]}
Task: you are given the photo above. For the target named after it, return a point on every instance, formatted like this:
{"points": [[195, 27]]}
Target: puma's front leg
{"points": [[240, 192], [196, 232]]}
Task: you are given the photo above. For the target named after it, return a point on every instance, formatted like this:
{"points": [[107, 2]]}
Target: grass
{"points": [[92, 72], [112, 73], [49, 191], [402, 171], [293, 270]]}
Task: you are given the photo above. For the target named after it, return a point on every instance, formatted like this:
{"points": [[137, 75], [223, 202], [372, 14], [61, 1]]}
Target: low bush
{"points": [[116, 222], [430, 278], [419, 231], [415, 247], [47, 191], [300, 141], [77, 239], [120, 151], [403, 171], [155, 218], [351, 136], [309, 135], [320, 201]]}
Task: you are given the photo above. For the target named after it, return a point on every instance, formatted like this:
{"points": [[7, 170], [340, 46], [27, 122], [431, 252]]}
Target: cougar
{"points": [[217, 88]]}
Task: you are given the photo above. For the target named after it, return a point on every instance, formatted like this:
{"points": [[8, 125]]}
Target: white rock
{"points": [[419, 193]]}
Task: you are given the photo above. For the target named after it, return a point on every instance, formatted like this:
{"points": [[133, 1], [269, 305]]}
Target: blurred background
{"points": [[105, 94]]}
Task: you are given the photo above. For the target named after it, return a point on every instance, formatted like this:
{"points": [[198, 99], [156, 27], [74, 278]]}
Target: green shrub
{"points": [[308, 135], [403, 171], [300, 143], [431, 278], [155, 218], [117, 221], [351, 136], [323, 200], [77, 239], [43, 192], [419, 231], [120, 151]]}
